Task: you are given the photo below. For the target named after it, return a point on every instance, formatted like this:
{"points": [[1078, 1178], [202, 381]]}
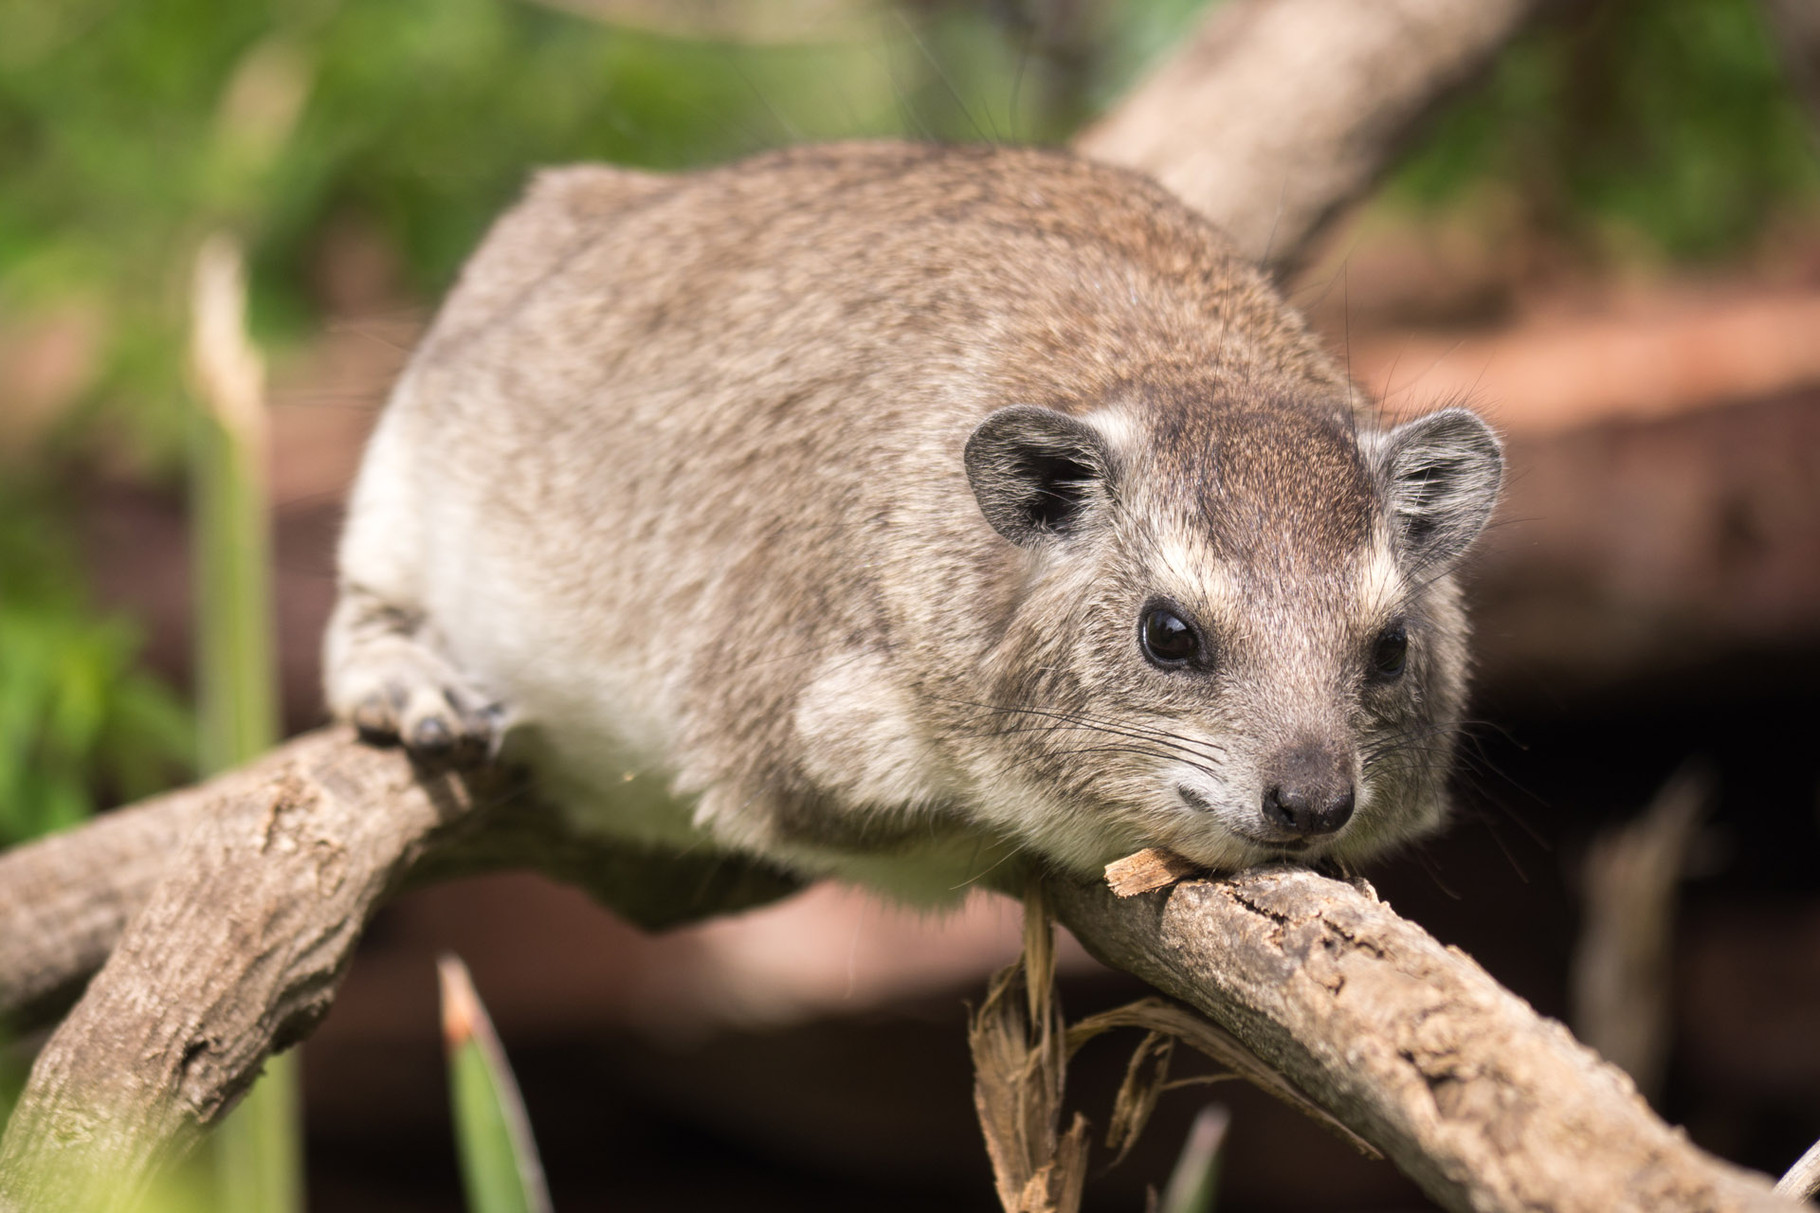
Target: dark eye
{"points": [[1390, 653], [1168, 639]]}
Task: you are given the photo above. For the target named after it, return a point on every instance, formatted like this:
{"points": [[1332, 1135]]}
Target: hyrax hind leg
{"points": [[389, 675]]}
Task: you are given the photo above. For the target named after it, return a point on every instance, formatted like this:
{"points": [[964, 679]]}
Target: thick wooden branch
{"points": [[248, 918], [1485, 1104], [236, 953], [231, 929], [1277, 113], [65, 899]]}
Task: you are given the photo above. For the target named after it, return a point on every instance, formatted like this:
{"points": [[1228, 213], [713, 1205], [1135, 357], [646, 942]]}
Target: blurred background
{"points": [[1611, 246]]}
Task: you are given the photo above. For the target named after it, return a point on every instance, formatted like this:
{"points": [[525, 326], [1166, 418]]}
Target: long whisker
{"points": [[1077, 717], [1165, 755], [1087, 726], [1124, 749], [1206, 751], [1082, 720]]}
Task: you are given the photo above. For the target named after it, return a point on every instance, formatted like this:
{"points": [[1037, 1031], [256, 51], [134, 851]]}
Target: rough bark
{"points": [[242, 936], [231, 929], [65, 899], [1481, 1101], [1276, 113], [236, 953]]}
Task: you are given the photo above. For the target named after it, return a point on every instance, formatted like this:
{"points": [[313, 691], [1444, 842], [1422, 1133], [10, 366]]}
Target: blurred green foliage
{"points": [[128, 127], [1635, 126], [73, 701]]}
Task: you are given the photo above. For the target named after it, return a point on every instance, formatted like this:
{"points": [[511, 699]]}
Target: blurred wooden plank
{"points": [[1571, 367], [1628, 556]]}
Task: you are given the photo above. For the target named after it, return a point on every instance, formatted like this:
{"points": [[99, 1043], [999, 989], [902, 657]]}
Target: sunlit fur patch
{"points": [[1379, 584], [1115, 423]]}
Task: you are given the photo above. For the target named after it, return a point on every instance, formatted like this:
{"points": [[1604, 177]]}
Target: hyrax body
{"points": [[894, 509]]}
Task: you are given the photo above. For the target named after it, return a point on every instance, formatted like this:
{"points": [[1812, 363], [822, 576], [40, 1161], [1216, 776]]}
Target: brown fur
{"points": [[676, 483]]}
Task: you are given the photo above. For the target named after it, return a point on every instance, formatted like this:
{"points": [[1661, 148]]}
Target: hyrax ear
{"points": [[1439, 475], [1036, 472]]}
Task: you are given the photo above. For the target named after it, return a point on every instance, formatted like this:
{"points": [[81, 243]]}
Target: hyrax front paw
{"points": [[411, 696], [392, 682]]}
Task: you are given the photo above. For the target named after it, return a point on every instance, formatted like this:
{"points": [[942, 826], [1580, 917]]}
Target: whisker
{"points": [[1165, 755], [1088, 725], [1207, 751], [1117, 749], [1427, 863]]}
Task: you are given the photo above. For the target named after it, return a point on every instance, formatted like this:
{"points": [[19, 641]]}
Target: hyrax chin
{"points": [[885, 511]]}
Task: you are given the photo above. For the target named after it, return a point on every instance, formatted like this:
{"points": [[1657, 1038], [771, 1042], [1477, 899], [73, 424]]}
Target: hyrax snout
{"points": [[888, 510], [1308, 790]]}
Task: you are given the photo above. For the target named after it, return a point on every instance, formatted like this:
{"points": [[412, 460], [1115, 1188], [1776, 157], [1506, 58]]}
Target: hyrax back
{"points": [[886, 509]]}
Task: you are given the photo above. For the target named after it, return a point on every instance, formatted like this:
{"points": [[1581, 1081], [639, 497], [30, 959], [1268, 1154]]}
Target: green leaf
{"points": [[499, 1165], [80, 721]]}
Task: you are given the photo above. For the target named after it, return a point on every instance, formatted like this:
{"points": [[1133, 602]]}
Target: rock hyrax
{"points": [[884, 511]]}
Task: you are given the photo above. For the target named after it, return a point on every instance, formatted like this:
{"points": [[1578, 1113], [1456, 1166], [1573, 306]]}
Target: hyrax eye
{"points": [[1390, 653], [1168, 639]]}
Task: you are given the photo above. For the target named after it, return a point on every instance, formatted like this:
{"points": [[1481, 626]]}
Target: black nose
{"points": [[1308, 810], [1312, 794]]}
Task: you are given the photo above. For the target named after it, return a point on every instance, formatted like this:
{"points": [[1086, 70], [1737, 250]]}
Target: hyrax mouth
{"points": [[1284, 844]]}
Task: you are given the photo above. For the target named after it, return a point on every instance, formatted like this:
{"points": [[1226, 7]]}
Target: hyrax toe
{"points": [[428, 728], [396, 689], [449, 723], [375, 717]]}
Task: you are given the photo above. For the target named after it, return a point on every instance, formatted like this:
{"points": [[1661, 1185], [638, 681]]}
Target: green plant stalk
{"points": [[1194, 1184], [489, 1167], [500, 1170], [258, 1149], [237, 666]]}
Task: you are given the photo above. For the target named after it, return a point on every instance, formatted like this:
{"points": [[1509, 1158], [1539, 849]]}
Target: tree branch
{"points": [[1410, 1044], [253, 914], [1276, 113], [65, 899], [236, 953], [241, 917]]}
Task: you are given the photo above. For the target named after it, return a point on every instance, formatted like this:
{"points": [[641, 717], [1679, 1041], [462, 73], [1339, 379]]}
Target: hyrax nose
{"points": [[1312, 793]]}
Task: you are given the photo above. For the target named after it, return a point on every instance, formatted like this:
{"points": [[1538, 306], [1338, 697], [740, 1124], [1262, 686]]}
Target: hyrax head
{"points": [[1237, 634]]}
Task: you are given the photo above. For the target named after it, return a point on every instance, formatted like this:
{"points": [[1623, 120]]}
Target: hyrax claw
{"points": [[389, 678]]}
